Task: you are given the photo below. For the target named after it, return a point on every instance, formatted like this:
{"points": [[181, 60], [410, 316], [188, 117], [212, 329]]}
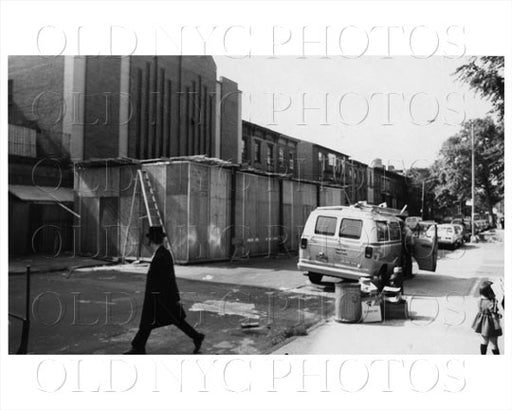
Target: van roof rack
{"points": [[382, 209]]}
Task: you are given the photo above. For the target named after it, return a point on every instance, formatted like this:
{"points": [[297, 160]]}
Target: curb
{"points": [[59, 269]]}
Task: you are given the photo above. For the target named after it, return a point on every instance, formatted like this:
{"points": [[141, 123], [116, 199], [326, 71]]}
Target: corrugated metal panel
{"points": [[299, 199], [176, 210], [330, 196], [109, 226], [257, 213]]}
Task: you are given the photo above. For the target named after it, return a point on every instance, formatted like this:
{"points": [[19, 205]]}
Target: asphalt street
{"points": [[249, 307]]}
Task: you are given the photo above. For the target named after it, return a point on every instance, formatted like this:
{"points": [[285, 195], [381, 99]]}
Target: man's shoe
{"points": [[198, 342], [135, 350]]}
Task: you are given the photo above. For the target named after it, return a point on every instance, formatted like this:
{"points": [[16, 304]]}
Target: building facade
{"points": [[267, 150], [139, 107], [387, 186]]}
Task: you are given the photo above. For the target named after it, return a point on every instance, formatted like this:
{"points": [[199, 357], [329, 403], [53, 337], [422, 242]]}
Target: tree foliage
{"points": [[485, 75], [453, 167]]}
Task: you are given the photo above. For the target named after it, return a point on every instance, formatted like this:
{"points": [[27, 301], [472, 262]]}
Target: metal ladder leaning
{"points": [[150, 205]]}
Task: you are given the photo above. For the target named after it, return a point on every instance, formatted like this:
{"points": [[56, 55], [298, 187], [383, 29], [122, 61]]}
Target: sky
{"points": [[398, 109]]}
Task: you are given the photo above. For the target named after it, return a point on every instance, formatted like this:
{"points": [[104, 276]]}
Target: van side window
{"points": [[394, 231], [325, 225], [351, 228], [382, 231]]}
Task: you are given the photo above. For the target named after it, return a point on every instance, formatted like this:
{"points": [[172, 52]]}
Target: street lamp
{"points": [[423, 195], [473, 239]]}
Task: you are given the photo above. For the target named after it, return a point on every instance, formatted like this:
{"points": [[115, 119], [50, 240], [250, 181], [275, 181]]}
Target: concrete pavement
{"points": [[439, 324]]}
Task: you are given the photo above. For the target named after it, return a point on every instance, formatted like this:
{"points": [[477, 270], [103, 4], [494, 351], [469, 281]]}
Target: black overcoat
{"points": [[162, 305]]}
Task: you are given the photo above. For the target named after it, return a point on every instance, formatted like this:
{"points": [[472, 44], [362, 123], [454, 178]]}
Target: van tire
{"points": [[315, 278]]}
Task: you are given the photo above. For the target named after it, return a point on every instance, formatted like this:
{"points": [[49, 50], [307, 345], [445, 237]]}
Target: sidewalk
{"points": [[437, 324], [44, 264], [448, 332]]}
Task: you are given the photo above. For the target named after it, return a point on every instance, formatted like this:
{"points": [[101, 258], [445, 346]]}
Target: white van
{"points": [[361, 241]]}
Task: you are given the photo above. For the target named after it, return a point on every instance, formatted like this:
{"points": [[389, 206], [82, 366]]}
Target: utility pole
{"points": [[472, 183], [422, 198]]}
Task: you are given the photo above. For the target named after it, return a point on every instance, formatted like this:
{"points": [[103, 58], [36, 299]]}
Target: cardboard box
{"points": [[371, 310]]}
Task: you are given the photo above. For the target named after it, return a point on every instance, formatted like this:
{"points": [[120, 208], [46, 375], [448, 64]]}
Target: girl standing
{"points": [[487, 319]]}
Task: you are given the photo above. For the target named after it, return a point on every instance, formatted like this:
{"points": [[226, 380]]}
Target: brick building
{"points": [[386, 185], [67, 109], [319, 163], [40, 190], [135, 106], [268, 150]]}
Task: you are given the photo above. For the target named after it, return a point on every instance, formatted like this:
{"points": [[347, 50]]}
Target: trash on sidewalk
{"points": [[361, 302], [371, 311], [395, 310], [347, 304]]}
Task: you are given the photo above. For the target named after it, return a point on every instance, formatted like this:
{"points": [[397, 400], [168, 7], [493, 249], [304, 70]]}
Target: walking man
{"points": [[162, 305]]}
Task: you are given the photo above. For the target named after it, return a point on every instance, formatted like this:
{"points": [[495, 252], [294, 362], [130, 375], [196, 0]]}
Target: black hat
{"points": [[156, 234]]}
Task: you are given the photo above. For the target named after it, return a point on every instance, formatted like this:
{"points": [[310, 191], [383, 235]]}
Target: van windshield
{"points": [[351, 228]]}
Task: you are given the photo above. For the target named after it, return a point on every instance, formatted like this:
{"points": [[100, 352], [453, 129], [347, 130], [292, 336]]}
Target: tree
{"points": [[453, 167], [485, 75]]}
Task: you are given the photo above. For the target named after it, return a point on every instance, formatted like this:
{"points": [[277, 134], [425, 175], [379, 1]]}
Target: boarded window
{"points": [[325, 225], [351, 228]]}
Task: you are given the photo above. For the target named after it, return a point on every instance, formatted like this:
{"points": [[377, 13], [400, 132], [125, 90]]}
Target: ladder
{"points": [[152, 212]]}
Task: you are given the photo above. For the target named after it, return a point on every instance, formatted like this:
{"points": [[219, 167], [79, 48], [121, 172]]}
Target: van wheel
{"points": [[315, 278]]}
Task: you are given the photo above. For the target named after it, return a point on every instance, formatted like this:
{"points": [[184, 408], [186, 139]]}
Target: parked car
{"points": [[466, 228], [449, 235], [359, 241]]}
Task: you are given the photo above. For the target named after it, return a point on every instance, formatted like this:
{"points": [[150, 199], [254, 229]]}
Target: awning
{"points": [[46, 194]]}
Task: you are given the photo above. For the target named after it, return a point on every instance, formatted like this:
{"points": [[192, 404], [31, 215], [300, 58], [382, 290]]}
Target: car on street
{"points": [[450, 235], [360, 240], [466, 228]]}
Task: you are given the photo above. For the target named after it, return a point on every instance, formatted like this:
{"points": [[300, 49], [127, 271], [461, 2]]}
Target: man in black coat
{"points": [[162, 305]]}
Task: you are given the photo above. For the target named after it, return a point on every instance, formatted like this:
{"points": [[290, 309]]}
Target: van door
{"points": [[323, 241], [425, 246], [349, 250]]}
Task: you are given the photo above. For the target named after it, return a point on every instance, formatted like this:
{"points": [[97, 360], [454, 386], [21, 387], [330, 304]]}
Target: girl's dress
{"points": [[484, 322]]}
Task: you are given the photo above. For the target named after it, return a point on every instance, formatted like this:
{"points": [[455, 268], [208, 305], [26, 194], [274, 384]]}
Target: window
{"points": [[331, 159], [382, 231], [321, 161], [280, 154], [394, 231], [290, 160], [257, 151], [385, 184], [351, 228], [244, 150], [270, 154], [325, 225]]}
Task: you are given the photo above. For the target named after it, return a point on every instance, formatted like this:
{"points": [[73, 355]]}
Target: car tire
{"points": [[315, 278]]}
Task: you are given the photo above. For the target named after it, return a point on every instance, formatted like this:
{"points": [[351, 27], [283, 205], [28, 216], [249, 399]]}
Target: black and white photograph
{"points": [[287, 208]]}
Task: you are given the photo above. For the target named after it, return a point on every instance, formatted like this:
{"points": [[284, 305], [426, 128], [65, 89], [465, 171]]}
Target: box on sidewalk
{"points": [[395, 309], [371, 310]]}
